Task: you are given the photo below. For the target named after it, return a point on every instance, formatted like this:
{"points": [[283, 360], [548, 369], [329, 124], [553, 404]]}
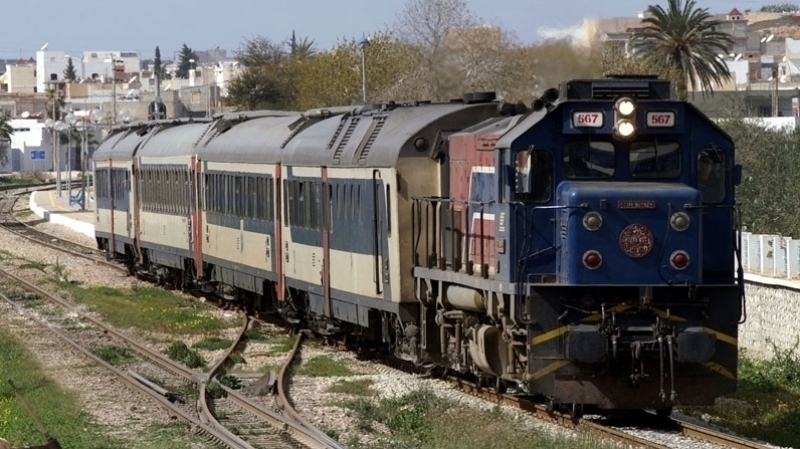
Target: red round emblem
{"points": [[636, 240]]}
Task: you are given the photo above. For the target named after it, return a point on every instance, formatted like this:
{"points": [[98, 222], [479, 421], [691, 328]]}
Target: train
{"points": [[581, 249]]}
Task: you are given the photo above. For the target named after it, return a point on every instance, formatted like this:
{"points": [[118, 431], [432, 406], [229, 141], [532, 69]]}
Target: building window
{"points": [[195, 97], [54, 77]]}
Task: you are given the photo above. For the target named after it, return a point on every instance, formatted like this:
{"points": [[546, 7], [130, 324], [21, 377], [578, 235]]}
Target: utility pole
{"points": [[364, 42], [775, 93], [114, 93]]}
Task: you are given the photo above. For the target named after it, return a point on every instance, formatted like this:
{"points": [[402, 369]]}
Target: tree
{"points": [[187, 60], [767, 193], [5, 138], [333, 78], [684, 41], [158, 69], [427, 25], [782, 8], [76, 135], [5, 128], [54, 102], [302, 48], [69, 72], [265, 81]]}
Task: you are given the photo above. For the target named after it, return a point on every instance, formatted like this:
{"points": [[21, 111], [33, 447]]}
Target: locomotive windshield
{"points": [[588, 159], [655, 159]]}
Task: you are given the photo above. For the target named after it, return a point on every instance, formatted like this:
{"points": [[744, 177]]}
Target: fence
{"points": [[771, 255]]}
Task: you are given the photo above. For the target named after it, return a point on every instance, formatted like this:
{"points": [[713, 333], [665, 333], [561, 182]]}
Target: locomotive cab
{"points": [[625, 247]]}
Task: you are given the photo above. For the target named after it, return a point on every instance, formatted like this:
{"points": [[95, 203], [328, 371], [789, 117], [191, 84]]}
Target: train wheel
{"points": [[500, 385]]}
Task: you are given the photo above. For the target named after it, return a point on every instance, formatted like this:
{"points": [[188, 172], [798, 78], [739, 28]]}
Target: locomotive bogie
{"points": [[628, 347]]}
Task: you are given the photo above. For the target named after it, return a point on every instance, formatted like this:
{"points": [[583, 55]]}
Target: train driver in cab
{"points": [[709, 177]]}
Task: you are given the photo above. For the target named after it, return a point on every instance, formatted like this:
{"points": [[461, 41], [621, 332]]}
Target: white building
{"points": [[19, 79], [30, 149], [50, 65]]}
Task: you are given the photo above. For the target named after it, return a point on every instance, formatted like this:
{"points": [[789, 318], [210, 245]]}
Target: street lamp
{"points": [[55, 128], [95, 116], [72, 120], [364, 43]]}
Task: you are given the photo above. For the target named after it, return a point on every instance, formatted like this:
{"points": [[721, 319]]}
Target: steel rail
{"points": [[20, 228], [286, 404], [129, 380]]}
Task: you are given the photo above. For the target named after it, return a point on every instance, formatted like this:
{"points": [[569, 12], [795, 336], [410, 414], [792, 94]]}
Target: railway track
{"points": [[202, 417], [612, 430], [256, 426], [9, 221]]}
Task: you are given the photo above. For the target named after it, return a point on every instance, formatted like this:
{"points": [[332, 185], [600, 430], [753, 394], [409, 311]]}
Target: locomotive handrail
{"points": [[740, 268], [431, 240]]}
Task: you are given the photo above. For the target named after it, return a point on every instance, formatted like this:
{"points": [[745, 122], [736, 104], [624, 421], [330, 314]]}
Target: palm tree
{"points": [[684, 41], [301, 48], [5, 138], [5, 128]]}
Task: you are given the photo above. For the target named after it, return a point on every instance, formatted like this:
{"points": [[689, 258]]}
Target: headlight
{"points": [[680, 221], [625, 106], [592, 221], [625, 128]]}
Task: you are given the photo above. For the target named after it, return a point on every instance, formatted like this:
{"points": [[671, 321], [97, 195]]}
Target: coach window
{"points": [[588, 159], [534, 175], [654, 159]]}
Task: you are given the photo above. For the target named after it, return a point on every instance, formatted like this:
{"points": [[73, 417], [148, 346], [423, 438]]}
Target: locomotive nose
{"points": [[626, 233]]}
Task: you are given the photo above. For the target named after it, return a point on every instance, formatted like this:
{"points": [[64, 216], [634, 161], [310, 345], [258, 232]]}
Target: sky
{"points": [[140, 25]]}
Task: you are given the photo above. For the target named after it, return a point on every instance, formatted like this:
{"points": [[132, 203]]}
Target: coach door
{"points": [[380, 234]]}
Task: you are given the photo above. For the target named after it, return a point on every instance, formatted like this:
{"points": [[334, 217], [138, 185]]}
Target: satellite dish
{"points": [[763, 39], [133, 79], [25, 114], [44, 47], [771, 36], [782, 78], [783, 59], [738, 57]]}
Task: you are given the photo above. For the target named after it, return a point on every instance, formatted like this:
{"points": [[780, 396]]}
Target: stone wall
{"points": [[773, 317]]}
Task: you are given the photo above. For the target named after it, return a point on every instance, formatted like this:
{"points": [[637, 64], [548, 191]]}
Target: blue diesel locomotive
{"points": [[583, 250]]}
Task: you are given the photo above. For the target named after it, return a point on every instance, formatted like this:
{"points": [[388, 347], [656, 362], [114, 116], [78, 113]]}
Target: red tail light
{"points": [[679, 260], [592, 259]]}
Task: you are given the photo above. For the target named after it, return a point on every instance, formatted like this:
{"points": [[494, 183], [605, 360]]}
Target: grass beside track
{"points": [[766, 404], [60, 411], [422, 420], [151, 309]]}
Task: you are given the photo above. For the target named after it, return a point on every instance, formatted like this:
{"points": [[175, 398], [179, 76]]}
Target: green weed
{"points": [[213, 343], [149, 308], [115, 355], [323, 366], [766, 404], [179, 352], [357, 387], [61, 412]]}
